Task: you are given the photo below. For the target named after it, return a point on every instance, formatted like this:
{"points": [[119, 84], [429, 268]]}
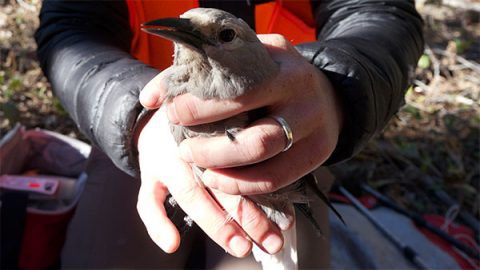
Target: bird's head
{"points": [[205, 30], [217, 45]]}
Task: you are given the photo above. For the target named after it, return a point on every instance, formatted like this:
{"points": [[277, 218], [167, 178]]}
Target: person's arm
{"points": [[83, 50], [368, 50]]}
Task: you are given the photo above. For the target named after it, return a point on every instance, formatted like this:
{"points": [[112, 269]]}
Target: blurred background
{"points": [[427, 160]]}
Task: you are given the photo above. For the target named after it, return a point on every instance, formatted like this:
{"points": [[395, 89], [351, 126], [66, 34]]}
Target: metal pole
{"points": [[421, 222], [407, 251]]}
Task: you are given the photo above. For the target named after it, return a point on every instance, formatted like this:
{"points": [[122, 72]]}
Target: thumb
{"points": [[154, 92], [278, 46]]}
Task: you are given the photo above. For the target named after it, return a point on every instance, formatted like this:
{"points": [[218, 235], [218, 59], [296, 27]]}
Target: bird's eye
{"points": [[226, 35]]}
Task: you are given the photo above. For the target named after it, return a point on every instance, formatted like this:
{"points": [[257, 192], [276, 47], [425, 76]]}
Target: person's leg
{"points": [[106, 231]]}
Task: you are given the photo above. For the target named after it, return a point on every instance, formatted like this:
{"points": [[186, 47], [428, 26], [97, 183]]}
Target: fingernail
{"points": [[240, 246], [186, 153], [172, 113], [273, 243], [144, 98], [148, 99]]}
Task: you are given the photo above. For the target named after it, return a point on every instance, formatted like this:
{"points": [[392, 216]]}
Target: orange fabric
{"points": [[291, 18], [301, 9], [283, 17], [147, 48]]}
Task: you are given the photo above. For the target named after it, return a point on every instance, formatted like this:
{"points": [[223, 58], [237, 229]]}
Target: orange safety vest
{"points": [[290, 18]]}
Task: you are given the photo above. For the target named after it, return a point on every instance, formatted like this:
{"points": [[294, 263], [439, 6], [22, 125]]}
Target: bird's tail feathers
{"points": [[311, 183], [307, 212]]}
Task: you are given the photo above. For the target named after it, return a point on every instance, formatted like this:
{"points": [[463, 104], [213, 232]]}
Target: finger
{"points": [[150, 207], [189, 110], [159, 157], [275, 40], [194, 199], [153, 93], [278, 46], [260, 141], [272, 174], [253, 221]]}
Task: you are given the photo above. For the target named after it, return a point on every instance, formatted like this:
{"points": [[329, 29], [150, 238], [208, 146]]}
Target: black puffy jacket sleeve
{"points": [[366, 48], [83, 49]]}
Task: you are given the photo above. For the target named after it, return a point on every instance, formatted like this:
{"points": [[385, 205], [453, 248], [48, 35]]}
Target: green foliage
{"points": [[58, 107], [10, 111], [462, 45], [412, 110], [424, 61], [41, 92], [19, 20], [15, 84]]}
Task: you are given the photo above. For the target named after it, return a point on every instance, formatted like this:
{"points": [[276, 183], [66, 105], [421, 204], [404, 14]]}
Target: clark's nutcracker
{"points": [[218, 56]]}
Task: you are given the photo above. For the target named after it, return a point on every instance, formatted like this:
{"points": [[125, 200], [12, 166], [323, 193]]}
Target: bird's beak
{"points": [[177, 30]]}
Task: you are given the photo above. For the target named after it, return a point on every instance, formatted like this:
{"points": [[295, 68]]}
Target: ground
{"points": [[427, 159]]}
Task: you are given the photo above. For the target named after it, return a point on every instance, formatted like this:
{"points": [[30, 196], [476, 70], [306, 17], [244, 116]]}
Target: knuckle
{"points": [[259, 146], [270, 184], [280, 38], [252, 220], [283, 42], [233, 188], [187, 111], [217, 227], [187, 195]]}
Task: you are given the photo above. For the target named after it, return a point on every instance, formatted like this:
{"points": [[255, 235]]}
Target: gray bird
{"points": [[218, 56]]}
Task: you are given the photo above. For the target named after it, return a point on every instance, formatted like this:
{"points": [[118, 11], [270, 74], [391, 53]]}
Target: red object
{"points": [[460, 232], [34, 185], [367, 200], [457, 231], [45, 218], [43, 239]]}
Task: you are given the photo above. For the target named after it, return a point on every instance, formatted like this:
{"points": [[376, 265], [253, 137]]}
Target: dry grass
{"points": [[431, 150], [25, 95]]}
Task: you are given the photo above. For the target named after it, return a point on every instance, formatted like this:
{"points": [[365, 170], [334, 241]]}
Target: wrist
{"points": [[332, 103], [142, 121]]}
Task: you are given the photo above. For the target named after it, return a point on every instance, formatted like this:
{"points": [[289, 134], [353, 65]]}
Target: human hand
{"points": [[299, 93], [163, 172]]}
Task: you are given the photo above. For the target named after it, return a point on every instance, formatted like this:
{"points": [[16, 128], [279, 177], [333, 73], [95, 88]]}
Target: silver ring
{"points": [[286, 128]]}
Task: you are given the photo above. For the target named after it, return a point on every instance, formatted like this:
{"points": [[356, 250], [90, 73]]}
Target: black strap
{"points": [[13, 214]]}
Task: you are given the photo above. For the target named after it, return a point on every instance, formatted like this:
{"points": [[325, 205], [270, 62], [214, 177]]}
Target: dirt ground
{"points": [[427, 159]]}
